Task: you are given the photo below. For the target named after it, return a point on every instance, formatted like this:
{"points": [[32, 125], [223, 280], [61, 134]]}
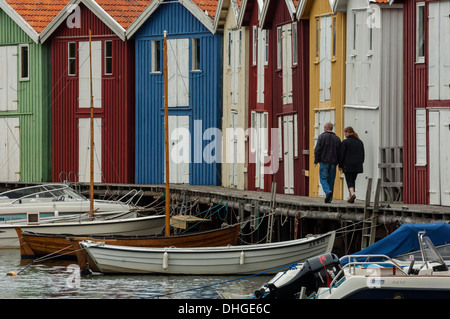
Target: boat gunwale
{"points": [[224, 249]]}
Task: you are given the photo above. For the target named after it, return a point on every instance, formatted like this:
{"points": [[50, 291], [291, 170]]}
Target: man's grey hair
{"points": [[328, 126]]}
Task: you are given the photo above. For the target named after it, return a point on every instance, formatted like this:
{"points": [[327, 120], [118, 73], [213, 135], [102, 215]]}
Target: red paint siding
{"points": [[278, 15], [117, 110], [251, 19]]}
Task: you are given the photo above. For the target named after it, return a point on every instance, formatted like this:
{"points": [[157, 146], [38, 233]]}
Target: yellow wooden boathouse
{"points": [[327, 79]]}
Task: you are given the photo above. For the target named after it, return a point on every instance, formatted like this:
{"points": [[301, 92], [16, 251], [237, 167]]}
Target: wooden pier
{"points": [[369, 213]]}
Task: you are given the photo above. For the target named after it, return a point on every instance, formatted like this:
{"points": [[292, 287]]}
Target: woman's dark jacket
{"points": [[351, 157]]}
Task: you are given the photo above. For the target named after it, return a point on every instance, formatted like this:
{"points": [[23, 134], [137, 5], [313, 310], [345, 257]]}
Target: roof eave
{"points": [[17, 18]]}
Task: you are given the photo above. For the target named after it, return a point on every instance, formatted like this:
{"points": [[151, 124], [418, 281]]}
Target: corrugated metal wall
{"points": [[117, 112], [205, 95], [34, 105]]}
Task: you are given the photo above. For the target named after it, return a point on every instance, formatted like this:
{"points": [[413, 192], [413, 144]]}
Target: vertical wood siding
{"points": [[117, 111], [279, 15], [205, 95], [34, 105]]}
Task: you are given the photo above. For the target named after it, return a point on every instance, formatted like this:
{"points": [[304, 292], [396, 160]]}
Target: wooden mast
{"points": [[92, 132], [166, 135]]}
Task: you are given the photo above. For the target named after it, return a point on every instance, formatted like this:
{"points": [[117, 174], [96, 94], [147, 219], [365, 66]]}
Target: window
{"points": [[354, 30], [156, 56], [334, 37], [255, 43], [108, 57], [72, 58], [24, 62], [420, 32], [279, 32], [266, 42], [240, 47], [317, 37], [229, 49], [196, 54], [294, 43]]}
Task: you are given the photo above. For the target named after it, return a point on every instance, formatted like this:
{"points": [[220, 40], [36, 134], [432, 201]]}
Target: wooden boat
{"points": [[34, 245], [126, 223], [246, 259]]}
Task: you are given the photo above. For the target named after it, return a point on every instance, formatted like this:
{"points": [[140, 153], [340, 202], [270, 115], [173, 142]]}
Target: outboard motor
{"points": [[316, 272]]}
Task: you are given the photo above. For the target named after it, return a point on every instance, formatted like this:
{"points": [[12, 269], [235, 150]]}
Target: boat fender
{"points": [[241, 258], [11, 273], [165, 264]]}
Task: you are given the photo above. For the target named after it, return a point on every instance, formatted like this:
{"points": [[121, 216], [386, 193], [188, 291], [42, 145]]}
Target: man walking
{"points": [[326, 154]]}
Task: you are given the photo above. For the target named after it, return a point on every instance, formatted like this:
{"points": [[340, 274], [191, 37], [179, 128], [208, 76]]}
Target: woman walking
{"points": [[351, 160]]}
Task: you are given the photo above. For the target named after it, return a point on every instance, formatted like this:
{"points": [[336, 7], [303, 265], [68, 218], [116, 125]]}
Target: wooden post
{"points": [[166, 135], [92, 132]]}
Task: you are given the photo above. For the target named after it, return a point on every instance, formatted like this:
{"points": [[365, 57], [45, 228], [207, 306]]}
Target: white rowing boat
{"points": [[246, 259]]}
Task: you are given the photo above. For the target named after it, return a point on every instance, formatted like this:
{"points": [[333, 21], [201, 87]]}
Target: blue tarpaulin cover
{"points": [[404, 239]]}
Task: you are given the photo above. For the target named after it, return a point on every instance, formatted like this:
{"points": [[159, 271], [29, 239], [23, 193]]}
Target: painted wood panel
{"points": [[235, 101], [321, 109]]}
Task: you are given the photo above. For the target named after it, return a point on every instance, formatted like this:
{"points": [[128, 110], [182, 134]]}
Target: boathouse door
{"points": [[439, 128], [84, 81], [179, 149], [289, 128], [9, 149], [84, 153]]}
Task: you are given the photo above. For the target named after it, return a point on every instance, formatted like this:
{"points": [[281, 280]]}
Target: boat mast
{"points": [[166, 135], [92, 132]]}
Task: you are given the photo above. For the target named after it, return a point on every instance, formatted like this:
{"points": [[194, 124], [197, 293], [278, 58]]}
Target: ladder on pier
{"points": [[369, 225], [271, 212]]}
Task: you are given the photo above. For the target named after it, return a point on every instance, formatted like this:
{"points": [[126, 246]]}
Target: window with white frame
{"points": [[72, 58], [294, 43], [255, 44], [108, 57], [420, 32], [156, 56], [266, 43], [24, 62], [196, 54], [229, 49], [279, 33]]}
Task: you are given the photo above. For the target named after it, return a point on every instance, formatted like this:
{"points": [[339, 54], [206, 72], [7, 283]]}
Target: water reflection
{"points": [[58, 279]]}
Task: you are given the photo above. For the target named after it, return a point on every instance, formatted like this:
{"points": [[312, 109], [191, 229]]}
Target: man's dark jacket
{"points": [[327, 148]]}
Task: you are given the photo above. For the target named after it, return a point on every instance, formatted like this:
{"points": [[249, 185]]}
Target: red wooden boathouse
{"points": [[262, 160], [289, 47], [113, 90]]}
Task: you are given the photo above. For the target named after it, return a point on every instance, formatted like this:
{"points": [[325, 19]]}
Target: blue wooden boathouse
{"points": [[194, 56]]}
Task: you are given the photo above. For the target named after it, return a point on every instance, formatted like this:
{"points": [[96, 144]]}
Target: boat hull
{"points": [[390, 287], [36, 245], [147, 225], [247, 259]]}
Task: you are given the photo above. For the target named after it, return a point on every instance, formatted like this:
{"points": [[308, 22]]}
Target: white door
{"points": [[235, 64], [288, 156], [84, 153], [178, 72], [261, 62], [325, 58], [259, 144], [84, 81], [234, 164], [8, 78], [439, 50], [286, 50], [439, 129], [179, 149], [9, 149]]}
